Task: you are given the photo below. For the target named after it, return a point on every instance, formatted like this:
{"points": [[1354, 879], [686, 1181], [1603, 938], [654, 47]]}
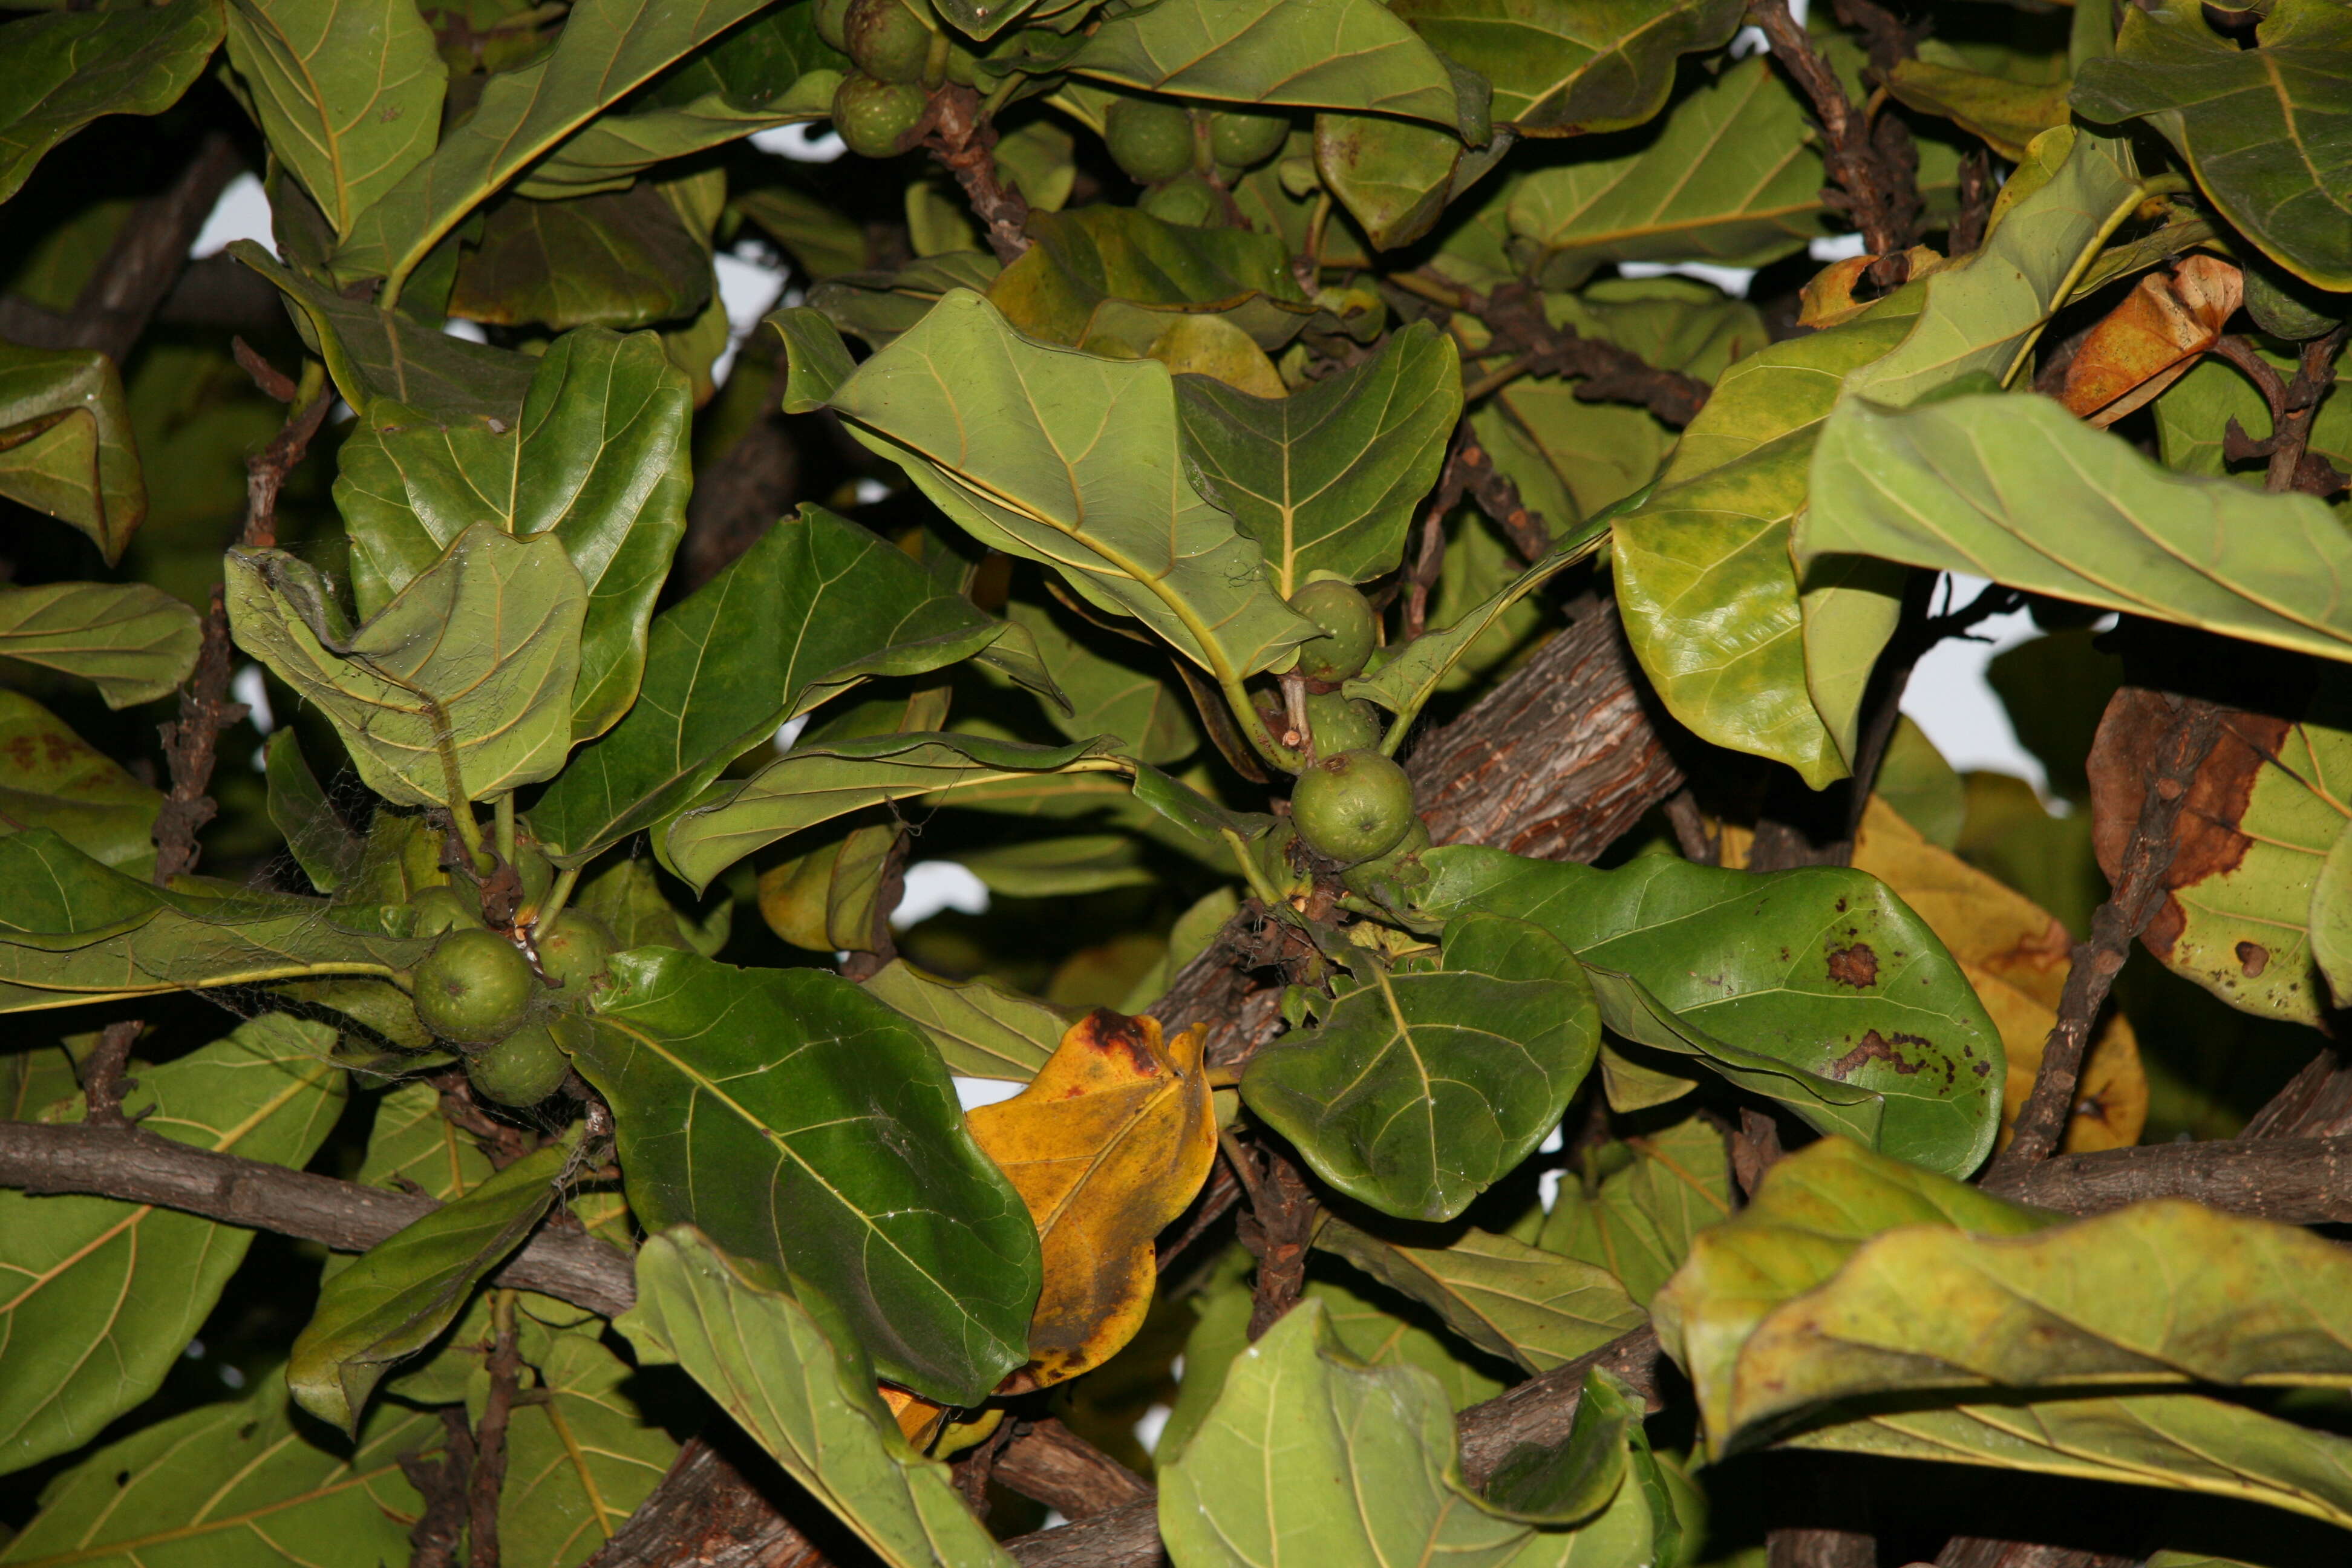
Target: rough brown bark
{"points": [[1049, 1462], [706, 1514], [139, 1167], [2296, 1181]]}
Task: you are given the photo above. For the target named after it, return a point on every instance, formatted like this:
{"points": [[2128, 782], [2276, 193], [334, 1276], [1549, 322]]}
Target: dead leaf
{"points": [[1108, 1146], [1829, 299], [918, 1419], [2151, 340], [2016, 954]]}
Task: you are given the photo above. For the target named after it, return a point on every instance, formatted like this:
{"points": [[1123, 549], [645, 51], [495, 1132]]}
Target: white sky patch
{"points": [[242, 213], [1732, 280], [936, 885], [972, 1093], [1831, 248], [1951, 700], [750, 283], [808, 143]]}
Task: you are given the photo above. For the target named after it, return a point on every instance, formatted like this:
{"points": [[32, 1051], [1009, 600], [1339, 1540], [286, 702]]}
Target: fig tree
{"points": [[1353, 806], [1150, 138], [443, 908], [1342, 723], [832, 19], [1349, 630], [575, 953], [871, 116], [473, 987], [521, 1069], [887, 39], [1188, 201], [1245, 140]]}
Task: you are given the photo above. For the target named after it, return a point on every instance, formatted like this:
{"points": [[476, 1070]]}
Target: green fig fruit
{"points": [[1150, 138], [1245, 140], [871, 116], [832, 21], [1188, 201], [521, 1069], [1353, 806], [889, 40], [1342, 723], [1349, 630], [474, 988], [574, 953]]}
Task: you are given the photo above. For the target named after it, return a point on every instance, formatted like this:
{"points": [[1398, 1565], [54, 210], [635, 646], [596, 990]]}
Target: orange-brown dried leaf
{"points": [[1108, 1146], [1829, 299], [918, 1419], [2152, 338], [2016, 954]]}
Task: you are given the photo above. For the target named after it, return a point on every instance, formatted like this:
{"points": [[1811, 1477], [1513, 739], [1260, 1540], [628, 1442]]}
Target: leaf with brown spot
{"points": [[1107, 1146], [2016, 956], [2151, 340], [2261, 815]]}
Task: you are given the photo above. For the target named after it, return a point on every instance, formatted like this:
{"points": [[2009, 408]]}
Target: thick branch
{"points": [[139, 1167], [2296, 1181], [962, 140], [1049, 1462]]}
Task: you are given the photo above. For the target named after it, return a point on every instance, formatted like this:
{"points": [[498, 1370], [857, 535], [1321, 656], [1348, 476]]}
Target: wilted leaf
{"points": [[2263, 126], [1306, 54], [409, 1287], [1426, 1084], [1821, 970], [238, 1483], [134, 642], [1066, 459], [1111, 279], [65, 431], [2016, 956], [1328, 478], [1638, 1219], [1567, 72], [51, 778], [2260, 817], [811, 784], [375, 353], [1107, 1146], [789, 1115], [580, 1455], [815, 606], [97, 1298], [348, 92], [68, 68], [2077, 513], [606, 49], [459, 688], [1536, 1308], [2150, 339], [980, 1030], [599, 459]]}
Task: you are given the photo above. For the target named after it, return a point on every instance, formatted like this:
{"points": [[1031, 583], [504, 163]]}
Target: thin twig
{"points": [[266, 470], [1603, 373], [433, 1539], [102, 1083], [1868, 181], [961, 138], [2293, 465], [2188, 736], [489, 1475], [1281, 1222], [188, 742]]}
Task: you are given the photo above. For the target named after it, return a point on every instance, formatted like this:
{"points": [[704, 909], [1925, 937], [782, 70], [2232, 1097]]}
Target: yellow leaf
{"points": [[2016, 956], [918, 1419], [1107, 1146]]}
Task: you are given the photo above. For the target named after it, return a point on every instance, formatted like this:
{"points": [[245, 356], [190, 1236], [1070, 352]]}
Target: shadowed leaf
{"points": [[134, 642], [66, 446]]}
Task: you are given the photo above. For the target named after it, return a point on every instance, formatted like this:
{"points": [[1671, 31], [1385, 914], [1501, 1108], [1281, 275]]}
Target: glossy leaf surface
{"points": [[814, 1131]]}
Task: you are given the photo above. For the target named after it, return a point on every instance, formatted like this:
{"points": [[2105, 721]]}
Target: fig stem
{"points": [[557, 897], [1258, 886], [504, 813]]}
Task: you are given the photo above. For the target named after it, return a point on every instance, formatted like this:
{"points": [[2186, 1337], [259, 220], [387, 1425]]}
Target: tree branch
{"points": [[188, 742], [2296, 1181], [1874, 183], [960, 138], [139, 1167]]}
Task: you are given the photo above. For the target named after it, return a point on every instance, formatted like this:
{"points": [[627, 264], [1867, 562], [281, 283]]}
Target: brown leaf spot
{"points": [[2252, 959], [1876, 1046], [1856, 966], [1116, 1033]]}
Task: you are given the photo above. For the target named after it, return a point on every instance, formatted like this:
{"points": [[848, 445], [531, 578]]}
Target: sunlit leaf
{"points": [[97, 1298], [459, 688], [134, 642], [781, 1370], [788, 1114]]}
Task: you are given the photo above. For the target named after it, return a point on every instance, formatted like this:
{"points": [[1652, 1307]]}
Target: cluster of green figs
{"points": [[1351, 804]]}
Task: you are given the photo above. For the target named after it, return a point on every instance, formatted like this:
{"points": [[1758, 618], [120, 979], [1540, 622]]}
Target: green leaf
{"points": [[599, 460], [811, 784], [1306, 54], [773, 70], [1061, 867], [68, 68], [316, 835], [58, 898], [580, 1458], [1538, 1309], [880, 306], [1414, 672], [2193, 415], [97, 1298], [1393, 176], [1730, 176], [66, 446], [1638, 1219], [815, 606], [2331, 920], [410, 1141], [1328, 479], [1111, 279], [1069, 459], [459, 688], [1149, 714], [134, 642], [2262, 127], [627, 896], [408, 1287], [2077, 513], [618, 259], [375, 353], [812, 1132], [980, 1029], [816, 361], [1559, 72], [238, 1483], [2007, 112], [348, 92], [1426, 1084], [1821, 969], [806, 1397], [822, 242], [51, 778], [607, 48]]}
